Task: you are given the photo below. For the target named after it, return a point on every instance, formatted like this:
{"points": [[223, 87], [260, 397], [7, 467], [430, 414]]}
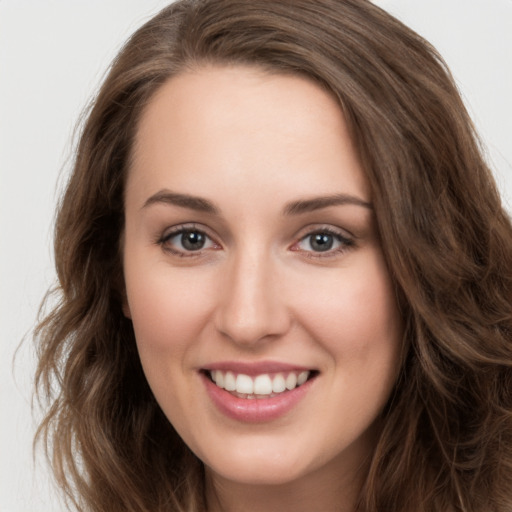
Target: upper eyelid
{"points": [[336, 234], [179, 228], [329, 228]]}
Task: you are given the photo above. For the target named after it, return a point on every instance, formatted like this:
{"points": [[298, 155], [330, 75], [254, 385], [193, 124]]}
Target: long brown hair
{"points": [[446, 440]]}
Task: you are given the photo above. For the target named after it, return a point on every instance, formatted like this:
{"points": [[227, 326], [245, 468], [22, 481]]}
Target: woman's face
{"points": [[251, 258]]}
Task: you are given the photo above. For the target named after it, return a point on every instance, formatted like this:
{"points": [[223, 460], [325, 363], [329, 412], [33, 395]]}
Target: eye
{"points": [[185, 241], [321, 241], [318, 242]]}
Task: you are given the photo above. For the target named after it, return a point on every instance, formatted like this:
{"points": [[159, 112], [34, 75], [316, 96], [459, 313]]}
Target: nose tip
{"points": [[246, 325], [251, 308]]}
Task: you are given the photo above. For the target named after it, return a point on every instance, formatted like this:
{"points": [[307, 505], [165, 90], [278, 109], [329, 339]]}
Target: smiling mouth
{"points": [[265, 385]]}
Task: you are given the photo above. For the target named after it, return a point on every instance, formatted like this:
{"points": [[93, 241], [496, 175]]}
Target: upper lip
{"points": [[256, 367]]}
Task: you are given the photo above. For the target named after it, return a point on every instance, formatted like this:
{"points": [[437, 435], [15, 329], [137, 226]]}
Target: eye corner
{"points": [[294, 247]]}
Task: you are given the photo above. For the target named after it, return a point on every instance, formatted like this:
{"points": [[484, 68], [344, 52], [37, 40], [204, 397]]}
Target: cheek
{"points": [[354, 314], [168, 309]]}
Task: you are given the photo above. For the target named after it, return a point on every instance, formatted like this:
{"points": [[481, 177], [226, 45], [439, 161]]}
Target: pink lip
{"points": [[257, 410]]}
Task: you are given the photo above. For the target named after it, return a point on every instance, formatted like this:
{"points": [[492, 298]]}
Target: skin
{"points": [[251, 143]]}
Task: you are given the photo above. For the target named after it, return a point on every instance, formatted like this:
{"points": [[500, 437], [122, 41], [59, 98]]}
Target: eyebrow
{"points": [[294, 208], [317, 203], [183, 200]]}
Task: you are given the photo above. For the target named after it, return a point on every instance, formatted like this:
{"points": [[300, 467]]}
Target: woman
{"points": [[285, 274]]}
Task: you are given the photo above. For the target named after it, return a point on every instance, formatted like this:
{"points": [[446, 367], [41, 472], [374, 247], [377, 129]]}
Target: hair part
{"points": [[446, 441]]}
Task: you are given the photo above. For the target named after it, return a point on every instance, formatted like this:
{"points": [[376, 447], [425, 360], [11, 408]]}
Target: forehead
{"points": [[232, 123]]}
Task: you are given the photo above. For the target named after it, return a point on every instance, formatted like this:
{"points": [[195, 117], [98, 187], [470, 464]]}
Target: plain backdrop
{"points": [[53, 54]]}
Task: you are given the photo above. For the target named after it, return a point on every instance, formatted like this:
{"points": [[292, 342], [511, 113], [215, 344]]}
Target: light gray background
{"points": [[53, 54]]}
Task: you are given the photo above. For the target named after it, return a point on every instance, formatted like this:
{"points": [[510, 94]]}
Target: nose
{"points": [[251, 305]]}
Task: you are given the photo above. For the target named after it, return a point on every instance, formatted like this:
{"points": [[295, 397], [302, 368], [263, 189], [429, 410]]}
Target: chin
{"points": [[259, 474], [258, 466]]}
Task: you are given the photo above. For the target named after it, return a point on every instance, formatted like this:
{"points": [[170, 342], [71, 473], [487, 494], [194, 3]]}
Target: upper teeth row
{"points": [[262, 384]]}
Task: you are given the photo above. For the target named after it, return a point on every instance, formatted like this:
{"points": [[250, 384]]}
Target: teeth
{"points": [[303, 377], [262, 385], [259, 386], [291, 381], [244, 384], [219, 378], [229, 382], [278, 384]]}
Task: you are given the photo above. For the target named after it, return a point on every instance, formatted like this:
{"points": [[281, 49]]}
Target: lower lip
{"points": [[256, 410]]}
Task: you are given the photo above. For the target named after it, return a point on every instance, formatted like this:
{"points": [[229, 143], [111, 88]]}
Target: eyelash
{"points": [[345, 243], [163, 240]]}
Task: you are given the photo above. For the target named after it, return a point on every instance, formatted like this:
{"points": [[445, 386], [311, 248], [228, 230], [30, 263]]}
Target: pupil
{"points": [[322, 242], [192, 240]]}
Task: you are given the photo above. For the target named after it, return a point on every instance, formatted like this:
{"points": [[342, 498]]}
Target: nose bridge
{"points": [[250, 307]]}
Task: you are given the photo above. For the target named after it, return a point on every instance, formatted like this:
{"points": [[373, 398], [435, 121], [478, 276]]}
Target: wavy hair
{"points": [[446, 438]]}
